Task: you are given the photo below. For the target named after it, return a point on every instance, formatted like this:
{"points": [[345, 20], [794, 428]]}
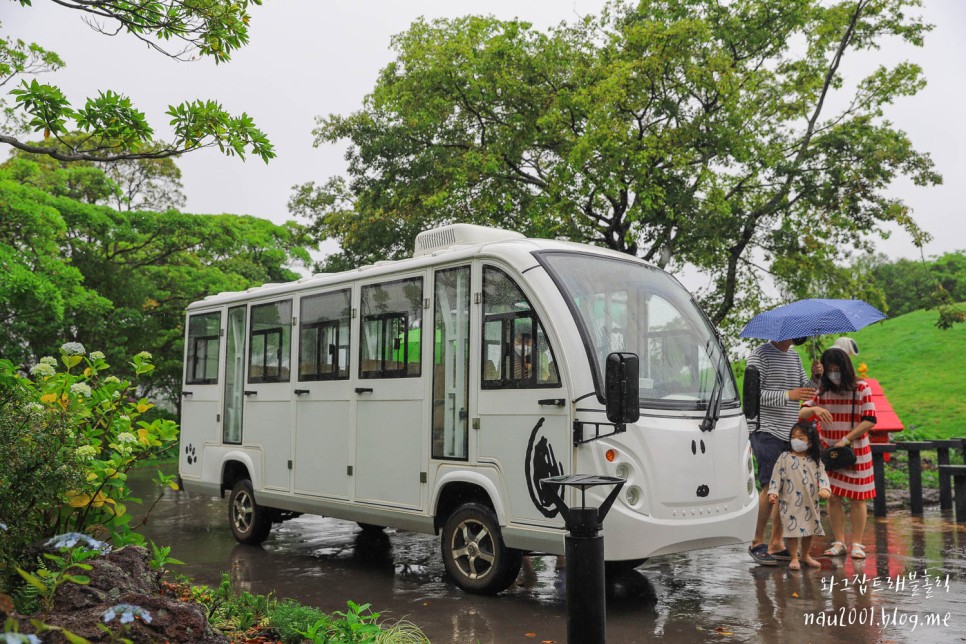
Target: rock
{"points": [[124, 577]]}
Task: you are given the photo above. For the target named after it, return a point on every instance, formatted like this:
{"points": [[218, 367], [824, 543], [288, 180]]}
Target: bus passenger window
{"points": [[324, 336], [514, 340], [390, 345], [269, 342], [204, 333]]}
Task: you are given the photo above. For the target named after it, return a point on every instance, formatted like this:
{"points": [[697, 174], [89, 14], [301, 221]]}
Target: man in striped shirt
{"points": [[783, 386]]}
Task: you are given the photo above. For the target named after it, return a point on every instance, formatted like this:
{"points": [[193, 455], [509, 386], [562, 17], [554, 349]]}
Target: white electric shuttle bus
{"points": [[434, 394]]}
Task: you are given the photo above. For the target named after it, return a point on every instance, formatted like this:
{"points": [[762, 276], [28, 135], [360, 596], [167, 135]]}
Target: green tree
{"points": [[910, 285], [111, 127], [120, 281], [41, 291], [685, 131], [126, 184]]}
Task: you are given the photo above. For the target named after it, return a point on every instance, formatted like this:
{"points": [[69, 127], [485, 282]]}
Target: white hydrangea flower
{"points": [[112, 379], [52, 361], [127, 437], [96, 355], [43, 369], [144, 354], [73, 348], [81, 388], [35, 407], [86, 451]]}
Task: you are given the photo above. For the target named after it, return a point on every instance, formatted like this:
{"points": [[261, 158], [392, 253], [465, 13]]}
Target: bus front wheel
{"points": [[250, 523], [474, 553]]}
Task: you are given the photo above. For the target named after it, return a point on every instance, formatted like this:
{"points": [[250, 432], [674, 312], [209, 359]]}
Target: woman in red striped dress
{"points": [[843, 406]]}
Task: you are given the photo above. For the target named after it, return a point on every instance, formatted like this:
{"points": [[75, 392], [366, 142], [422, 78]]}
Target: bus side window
{"points": [[514, 341], [269, 342], [390, 344], [324, 336], [204, 334]]}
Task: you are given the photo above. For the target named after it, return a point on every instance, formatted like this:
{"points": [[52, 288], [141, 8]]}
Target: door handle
{"points": [[299, 392], [187, 393], [363, 390], [557, 402], [250, 393]]}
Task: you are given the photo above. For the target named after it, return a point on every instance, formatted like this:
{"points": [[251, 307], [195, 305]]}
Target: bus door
{"points": [[200, 413], [451, 364], [522, 404], [390, 392], [323, 433], [267, 420]]}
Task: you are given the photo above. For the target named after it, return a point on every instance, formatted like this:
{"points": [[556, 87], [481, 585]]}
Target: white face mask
{"points": [[835, 377], [798, 445]]}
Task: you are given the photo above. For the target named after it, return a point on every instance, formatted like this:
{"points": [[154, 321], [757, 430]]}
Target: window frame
{"points": [[195, 357], [507, 323], [383, 318], [318, 325], [265, 333]]}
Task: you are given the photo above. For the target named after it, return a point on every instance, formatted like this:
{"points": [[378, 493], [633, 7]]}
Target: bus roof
{"points": [[454, 242]]}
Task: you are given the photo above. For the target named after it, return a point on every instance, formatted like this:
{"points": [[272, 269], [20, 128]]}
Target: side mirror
{"points": [[622, 389]]}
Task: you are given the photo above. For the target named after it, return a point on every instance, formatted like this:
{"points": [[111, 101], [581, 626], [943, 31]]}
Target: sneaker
{"points": [[760, 554]]}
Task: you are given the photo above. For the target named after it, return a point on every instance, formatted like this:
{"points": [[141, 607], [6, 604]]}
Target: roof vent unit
{"points": [[430, 241]]}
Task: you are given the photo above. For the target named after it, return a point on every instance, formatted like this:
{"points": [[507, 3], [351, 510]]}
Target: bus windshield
{"points": [[626, 306]]}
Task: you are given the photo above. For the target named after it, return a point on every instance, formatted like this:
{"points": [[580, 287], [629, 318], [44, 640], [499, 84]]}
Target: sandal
{"points": [[837, 549], [858, 551]]}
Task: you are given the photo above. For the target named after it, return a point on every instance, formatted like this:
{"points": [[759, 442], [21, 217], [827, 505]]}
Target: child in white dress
{"points": [[797, 483]]}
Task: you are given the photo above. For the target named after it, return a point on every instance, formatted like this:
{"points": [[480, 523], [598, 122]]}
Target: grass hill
{"points": [[921, 370]]}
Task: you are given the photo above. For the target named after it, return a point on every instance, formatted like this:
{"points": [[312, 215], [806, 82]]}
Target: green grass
{"points": [[920, 368]]}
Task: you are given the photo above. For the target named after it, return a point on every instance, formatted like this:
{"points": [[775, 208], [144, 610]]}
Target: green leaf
{"points": [[32, 580]]}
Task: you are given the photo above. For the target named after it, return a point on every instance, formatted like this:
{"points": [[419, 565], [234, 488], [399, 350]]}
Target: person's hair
{"points": [[841, 360], [811, 433], [799, 341]]}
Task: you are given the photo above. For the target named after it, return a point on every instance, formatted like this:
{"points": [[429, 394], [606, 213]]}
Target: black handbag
{"points": [[835, 458]]}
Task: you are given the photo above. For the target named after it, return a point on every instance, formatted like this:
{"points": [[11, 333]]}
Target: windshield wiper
{"points": [[713, 413]]}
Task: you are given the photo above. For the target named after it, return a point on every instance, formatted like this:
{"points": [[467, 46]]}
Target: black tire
{"points": [[474, 553], [370, 527], [617, 568], [249, 522]]}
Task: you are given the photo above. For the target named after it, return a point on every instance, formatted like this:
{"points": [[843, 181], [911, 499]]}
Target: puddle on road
{"points": [[703, 596]]}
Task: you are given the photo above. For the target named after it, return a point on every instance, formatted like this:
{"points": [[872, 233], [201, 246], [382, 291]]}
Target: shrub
{"points": [[71, 433]]}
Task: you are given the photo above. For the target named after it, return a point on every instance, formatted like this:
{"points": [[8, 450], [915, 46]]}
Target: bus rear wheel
{"points": [[249, 522], [474, 553]]}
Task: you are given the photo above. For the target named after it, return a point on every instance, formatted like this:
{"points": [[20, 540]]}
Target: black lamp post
{"points": [[586, 598]]}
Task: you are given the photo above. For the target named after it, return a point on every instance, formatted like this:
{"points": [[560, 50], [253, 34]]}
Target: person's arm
{"points": [[824, 489], [775, 484], [867, 421], [775, 397], [810, 409]]}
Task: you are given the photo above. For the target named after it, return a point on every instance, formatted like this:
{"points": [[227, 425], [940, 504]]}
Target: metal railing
{"points": [[948, 474]]}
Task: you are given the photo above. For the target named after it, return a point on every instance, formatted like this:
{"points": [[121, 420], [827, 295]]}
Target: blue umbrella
{"points": [[806, 318]]}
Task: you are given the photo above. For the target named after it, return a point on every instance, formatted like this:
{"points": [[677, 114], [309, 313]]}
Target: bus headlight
{"points": [[633, 495], [623, 471]]}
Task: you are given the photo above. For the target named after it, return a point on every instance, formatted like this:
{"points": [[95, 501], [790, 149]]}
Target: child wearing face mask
{"points": [[797, 483]]}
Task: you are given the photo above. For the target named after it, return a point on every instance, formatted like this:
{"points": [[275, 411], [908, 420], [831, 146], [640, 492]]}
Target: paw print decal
{"points": [[191, 454]]}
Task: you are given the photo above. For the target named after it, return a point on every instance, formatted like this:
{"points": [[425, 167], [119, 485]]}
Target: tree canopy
{"points": [[120, 280], [721, 135], [108, 127]]}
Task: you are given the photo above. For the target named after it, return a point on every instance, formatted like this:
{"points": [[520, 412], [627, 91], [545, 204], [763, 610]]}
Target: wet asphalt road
{"points": [[701, 596]]}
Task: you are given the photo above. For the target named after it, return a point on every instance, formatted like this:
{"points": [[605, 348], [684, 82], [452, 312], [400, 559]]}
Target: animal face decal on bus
{"points": [[541, 463]]}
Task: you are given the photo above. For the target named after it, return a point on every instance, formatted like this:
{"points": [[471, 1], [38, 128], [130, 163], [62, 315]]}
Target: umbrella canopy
{"points": [[806, 318]]}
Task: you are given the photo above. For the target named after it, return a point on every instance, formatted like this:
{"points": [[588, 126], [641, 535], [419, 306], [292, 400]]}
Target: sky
{"points": [[308, 58]]}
